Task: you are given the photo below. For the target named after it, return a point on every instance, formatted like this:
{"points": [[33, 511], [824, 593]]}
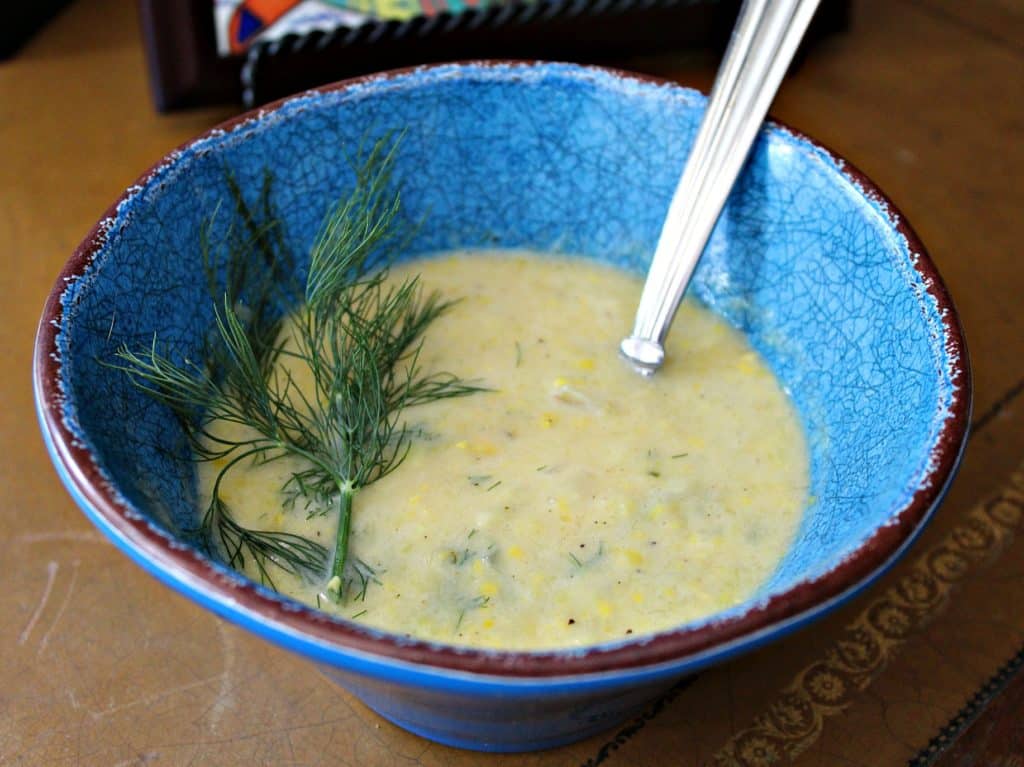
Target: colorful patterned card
{"points": [[241, 23]]}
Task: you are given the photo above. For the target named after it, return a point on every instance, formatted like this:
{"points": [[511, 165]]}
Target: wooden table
{"points": [[102, 666]]}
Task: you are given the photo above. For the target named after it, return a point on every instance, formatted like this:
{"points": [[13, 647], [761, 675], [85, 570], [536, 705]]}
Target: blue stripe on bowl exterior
{"points": [[813, 266]]}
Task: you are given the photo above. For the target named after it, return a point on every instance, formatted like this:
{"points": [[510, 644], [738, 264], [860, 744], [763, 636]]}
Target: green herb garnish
{"points": [[592, 559], [360, 339], [474, 603]]}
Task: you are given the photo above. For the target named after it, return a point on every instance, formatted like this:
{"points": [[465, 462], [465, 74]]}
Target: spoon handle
{"points": [[765, 37]]}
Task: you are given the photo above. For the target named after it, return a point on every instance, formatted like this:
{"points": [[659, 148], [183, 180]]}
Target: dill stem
{"points": [[337, 579]]}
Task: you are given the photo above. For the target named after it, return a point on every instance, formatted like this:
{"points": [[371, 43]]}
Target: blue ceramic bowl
{"points": [[810, 260]]}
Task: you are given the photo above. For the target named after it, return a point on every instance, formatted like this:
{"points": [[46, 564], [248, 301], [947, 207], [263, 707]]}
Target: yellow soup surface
{"points": [[575, 502]]}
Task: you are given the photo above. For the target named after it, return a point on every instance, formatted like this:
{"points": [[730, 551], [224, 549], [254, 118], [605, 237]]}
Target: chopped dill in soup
{"points": [[573, 502]]}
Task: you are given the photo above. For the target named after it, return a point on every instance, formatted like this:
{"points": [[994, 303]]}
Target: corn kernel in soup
{"points": [[575, 502]]}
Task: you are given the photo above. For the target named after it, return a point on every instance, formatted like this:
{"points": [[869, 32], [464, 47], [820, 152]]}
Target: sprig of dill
{"points": [[360, 337]]}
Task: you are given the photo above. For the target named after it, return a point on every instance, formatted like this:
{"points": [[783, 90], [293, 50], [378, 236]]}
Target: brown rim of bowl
{"points": [[668, 647]]}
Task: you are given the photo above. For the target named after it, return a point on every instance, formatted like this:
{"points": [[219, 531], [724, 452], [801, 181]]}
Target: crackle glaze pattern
{"points": [[807, 260]]}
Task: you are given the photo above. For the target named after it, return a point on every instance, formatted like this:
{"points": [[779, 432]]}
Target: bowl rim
{"points": [[313, 632]]}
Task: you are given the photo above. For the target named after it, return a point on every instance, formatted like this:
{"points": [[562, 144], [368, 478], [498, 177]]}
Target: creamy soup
{"points": [[575, 502]]}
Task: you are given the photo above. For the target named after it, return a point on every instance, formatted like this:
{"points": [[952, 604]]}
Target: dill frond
{"points": [[358, 334]]}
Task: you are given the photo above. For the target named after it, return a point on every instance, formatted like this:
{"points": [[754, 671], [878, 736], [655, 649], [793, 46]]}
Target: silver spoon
{"points": [[765, 37]]}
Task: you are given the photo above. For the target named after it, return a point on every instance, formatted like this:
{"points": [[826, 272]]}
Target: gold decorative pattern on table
{"points": [[826, 687]]}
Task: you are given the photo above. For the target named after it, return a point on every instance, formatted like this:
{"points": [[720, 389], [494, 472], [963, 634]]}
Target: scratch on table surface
{"points": [[63, 606], [51, 574], [82, 536], [146, 700], [225, 698], [143, 758]]}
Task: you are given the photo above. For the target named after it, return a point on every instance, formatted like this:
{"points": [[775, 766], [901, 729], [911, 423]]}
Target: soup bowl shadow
{"points": [[810, 260]]}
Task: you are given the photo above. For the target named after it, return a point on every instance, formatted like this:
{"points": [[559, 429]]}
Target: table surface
{"points": [[100, 665]]}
